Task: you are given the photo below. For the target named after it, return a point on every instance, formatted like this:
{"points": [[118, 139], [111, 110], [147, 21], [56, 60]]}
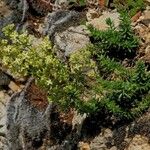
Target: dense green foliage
{"points": [[91, 80], [117, 42], [132, 6], [126, 89]]}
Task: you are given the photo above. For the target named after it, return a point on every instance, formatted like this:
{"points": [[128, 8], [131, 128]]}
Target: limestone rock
{"points": [[77, 122], [71, 40], [91, 14], [3, 22], [139, 143], [84, 146], [100, 23], [63, 4], [148, 2], [59, 21], [4, 10], [14, 87], [3, 144], [92, 3], [100, 141], [13, 3], [146, 18], [147, 50], [27, 121], [3, 107]]}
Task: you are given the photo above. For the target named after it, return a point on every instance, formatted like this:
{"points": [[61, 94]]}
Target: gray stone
{"points": [[3, 102], [25, 123], [4, 9], [59, 21], [4, 78], [13, 3], [100, 23], [71, 40], [3, 144], [9, 17], [63, 4]]}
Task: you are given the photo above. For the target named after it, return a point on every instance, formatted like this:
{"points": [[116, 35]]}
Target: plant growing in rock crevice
{"points": [[131, 6], [84, 83], [115, 42]]}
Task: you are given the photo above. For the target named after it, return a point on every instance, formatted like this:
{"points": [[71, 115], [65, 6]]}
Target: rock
{"points": [[142, 31], [41, 7], [146, 18], [147, 38], [3, 144], [63, 4], [4, 10], [147, 50], [100, 141], [27, 121], [132, 136], [8, 16], [91, 14], [100, 23], [77, 122], [148, 2], [14, 87], [92, 3], [136, 16], [4, 78], [113, 148], [59, 21], [139, 143], [13, 3], [147, 14], [3, 22], [83, 146], [71, 40], [147, 7], [3, 103]]}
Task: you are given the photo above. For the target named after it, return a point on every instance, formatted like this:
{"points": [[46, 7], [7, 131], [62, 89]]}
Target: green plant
{"points": [[126, 91], [25, 57], [116, 42], [78, 2], [132, 6], [84, 83]]}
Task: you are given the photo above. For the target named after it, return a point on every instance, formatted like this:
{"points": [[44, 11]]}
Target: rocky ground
{"points": [[67, 130]]}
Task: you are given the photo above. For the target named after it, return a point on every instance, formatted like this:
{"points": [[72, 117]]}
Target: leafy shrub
{"points": [[132, 6], [126, 90], [82, 83], [116, 42], [25, 56]]}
